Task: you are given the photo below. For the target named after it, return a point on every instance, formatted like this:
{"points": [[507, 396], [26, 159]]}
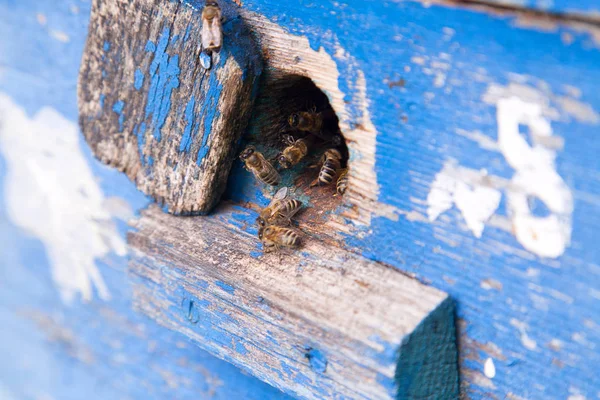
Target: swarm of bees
{"points": [[275, 229]]}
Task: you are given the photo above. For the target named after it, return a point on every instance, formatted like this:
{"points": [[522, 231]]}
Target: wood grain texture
{"points": [[426, 69], [323, 323], [148, 108]]}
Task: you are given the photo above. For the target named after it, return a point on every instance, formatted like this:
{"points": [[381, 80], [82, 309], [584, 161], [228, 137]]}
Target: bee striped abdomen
{"points": [[342, 183], [291, 207], [328, 172], [269, 175], [290, 238]]}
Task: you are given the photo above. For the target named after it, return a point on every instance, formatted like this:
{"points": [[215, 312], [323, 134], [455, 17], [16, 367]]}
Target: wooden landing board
{"points": [[318, 323], [148, 107]]}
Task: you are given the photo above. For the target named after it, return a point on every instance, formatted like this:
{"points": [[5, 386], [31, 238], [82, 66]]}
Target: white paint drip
{"points": [[52, 194], [489, 369], [60, 36], [535, 171], [535, 176], [476, 202], [526, 341]]}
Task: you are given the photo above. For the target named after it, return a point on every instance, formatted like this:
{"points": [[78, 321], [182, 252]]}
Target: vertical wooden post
{"points": [[149, 108]]}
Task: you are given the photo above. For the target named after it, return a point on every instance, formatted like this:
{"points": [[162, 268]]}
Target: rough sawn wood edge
{"points": [[317, 323]]}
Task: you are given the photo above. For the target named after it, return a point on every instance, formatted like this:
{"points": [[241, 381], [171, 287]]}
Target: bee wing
{"points": [[280, 195]]}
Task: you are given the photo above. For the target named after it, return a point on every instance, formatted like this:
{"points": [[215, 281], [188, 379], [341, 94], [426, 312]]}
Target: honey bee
{"points": [[280, 211], [330, 163], [275, 237], [212, 31], [342, 182], [256, 163], [294, 152], [307, 121]]}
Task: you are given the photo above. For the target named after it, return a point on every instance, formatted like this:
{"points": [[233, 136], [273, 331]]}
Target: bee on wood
{"points": [[275, 237], [294, 152], [306, 121], [280, 211], [330, 163], [212, 30], [256, 163], [342, 182]]}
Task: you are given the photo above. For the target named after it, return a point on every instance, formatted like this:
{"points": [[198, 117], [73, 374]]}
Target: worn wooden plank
{"points": [[528, 325], [325, 323], [148, 107], [589, 9], [434, 77]]}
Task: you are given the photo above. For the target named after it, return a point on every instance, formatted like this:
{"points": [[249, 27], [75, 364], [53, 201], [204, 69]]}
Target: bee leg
{"points": [[274, 162], [316, 182]]}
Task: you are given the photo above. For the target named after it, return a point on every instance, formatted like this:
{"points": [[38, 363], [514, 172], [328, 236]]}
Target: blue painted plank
{"points": [[335, 328], [584, 8], [426, 73], [433, 80], [95, 349], [182, 159]]}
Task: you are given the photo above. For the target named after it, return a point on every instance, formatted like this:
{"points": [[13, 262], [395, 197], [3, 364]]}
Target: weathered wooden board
{"points": [[148, 107], [431, 85], [580, 8], [321, 323], [528, 325]]}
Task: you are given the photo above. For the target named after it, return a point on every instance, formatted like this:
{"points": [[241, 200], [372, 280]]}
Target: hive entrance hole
{"points": [[279, 98]]}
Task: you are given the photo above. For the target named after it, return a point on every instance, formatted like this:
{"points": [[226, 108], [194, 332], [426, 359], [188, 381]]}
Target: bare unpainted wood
{"points": [[148, 108], [319, 323]]}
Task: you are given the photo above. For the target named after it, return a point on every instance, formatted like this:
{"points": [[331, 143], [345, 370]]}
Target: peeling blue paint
{"points": [[255, 254], [186, 139], [240, 349], [187, 33], [210, 111], [317, 359], [287, 370], [138, 81], [118, 108], [150, 47], [164, 78], [224, 286]]}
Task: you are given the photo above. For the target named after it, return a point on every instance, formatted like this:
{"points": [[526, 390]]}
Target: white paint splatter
{"points": [[476, 202], [489, 369], [60, 36], [52, 194], [526, 341], [535, 176], [484, 141]]}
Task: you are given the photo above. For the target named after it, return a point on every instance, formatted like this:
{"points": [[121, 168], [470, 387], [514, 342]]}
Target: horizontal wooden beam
{"points": [[318, 323]]}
